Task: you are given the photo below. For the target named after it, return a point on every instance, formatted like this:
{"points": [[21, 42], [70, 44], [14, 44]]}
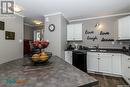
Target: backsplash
{"points": [[104, 35]]}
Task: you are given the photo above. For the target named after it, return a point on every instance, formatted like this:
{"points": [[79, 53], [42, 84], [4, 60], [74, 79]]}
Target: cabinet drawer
{"points": [[68, 52], [128, 58], [128, 70]]}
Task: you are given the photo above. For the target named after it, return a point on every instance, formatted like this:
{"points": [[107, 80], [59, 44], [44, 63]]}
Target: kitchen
{"points": [[107, 48], [74, 47]]}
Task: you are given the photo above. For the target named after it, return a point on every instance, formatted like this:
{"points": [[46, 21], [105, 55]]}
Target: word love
{"points": [[104, 33], [89, 32]]}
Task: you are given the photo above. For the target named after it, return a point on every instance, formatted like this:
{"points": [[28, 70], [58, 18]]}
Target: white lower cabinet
{"points": [[92, 61], [116, 64], [126, 67], [104, 62], [113, 63], [68, 56]]}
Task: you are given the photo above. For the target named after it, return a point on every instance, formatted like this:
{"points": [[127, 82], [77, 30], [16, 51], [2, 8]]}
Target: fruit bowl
{"points": [[41, 57]]}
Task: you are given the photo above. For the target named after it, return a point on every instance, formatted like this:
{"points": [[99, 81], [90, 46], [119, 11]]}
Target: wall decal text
{"points": [[89, 32], [104, 33], [103, 39], [92, 38]]}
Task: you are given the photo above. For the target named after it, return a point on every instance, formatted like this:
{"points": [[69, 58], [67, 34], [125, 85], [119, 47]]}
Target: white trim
{"points": [[83, 19], [106, 74], [57, 13], [19, 15]]}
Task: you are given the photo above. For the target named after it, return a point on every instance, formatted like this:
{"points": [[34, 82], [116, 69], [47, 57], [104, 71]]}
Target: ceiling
{"points": [[74, 9], [29, 20]]}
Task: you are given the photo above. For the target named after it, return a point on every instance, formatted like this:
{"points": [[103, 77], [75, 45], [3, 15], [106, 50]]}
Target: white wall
{"points": [[56, 38], [53, 37], [63, 36], [11, 49]]}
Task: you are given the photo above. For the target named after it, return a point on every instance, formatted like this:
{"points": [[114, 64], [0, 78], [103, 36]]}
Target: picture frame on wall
{"points": [[2, 25], [9, 35]]}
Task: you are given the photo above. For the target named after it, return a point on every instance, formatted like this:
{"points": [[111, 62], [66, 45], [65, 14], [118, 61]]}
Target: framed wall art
{"points": [[2, 25], [9, 35]]}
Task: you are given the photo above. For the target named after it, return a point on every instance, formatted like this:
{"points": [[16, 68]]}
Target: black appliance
{"points": [[80, 60], [129, 49]]}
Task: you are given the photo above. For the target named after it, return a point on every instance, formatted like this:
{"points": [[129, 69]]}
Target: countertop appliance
{"points": [[70, 47], [129, 49], [80, 60]]}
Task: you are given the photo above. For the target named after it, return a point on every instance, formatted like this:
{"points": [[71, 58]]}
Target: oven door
{"points": [[80, 60]]}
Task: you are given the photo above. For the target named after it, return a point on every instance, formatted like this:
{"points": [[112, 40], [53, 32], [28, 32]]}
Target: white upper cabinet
{"points": [[124, 28], [74, 32], [70, 31], [78, 32]]}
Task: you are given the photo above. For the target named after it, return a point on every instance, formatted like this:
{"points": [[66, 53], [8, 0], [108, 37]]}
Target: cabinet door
{"points": [[105, 64], [92, 61], [123, 65], [116, 64], [124, 28], [127, 68], [70, 32], [68, 56], [77, 32]]}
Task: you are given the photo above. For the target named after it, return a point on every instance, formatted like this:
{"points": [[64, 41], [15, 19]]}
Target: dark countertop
{"points": [[106, 51], [112, 51], [57, 73]]}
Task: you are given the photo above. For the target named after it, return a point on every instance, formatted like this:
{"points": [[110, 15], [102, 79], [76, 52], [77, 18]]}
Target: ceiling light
{"points": [[16, 8], [37, 22], [98, 26]]}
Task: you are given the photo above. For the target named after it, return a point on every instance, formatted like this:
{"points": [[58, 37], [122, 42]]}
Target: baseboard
{"points": [[9, 60], [106, 74]]}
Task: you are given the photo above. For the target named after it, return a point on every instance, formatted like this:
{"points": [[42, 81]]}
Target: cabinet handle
{"points": [[128, 58], [128, 67], [128, 78]]}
